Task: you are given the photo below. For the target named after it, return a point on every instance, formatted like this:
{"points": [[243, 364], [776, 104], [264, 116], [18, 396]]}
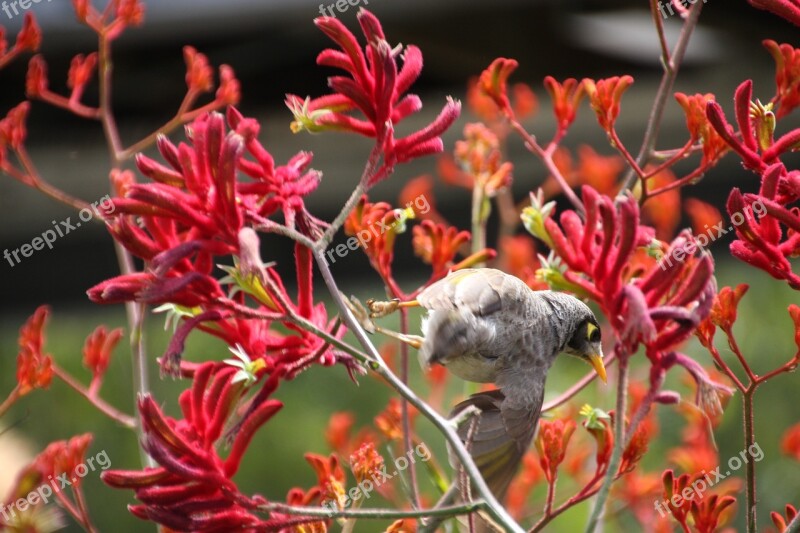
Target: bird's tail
{"points": [[497, 445]]}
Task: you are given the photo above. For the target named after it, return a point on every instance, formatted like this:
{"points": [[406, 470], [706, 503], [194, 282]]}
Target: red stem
{"points": [[106, 409]]}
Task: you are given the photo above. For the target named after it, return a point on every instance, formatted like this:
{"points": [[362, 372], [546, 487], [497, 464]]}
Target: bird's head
{"points": [[584, 343]]}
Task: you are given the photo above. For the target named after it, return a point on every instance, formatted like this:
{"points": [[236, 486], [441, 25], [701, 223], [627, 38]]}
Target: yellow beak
{"points": [[596, 360]]}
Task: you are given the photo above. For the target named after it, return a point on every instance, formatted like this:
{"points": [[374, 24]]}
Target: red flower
{"points": [[34, 367], [377, 88], [494, 82], [199, 76], [658, 304], [605, 96], [12, 128], [786, 9], [192, 488], [707, 512], [551, 444], [787, 76], [97, 350], [780, 523], [30, 36], [726, 303], [700, 130], [566, 98], [437, 245]]}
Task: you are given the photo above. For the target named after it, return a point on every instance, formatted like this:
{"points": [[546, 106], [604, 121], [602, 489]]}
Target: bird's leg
{"points": [[415, 341], [464, 415], [380, 309], [365, 318]]}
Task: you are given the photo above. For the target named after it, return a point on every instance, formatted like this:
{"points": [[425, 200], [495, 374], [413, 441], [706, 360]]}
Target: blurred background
{"points": [[272, 45]]}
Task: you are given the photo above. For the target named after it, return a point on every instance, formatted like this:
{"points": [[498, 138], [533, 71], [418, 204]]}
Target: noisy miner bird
{"points": [[487, 326]]}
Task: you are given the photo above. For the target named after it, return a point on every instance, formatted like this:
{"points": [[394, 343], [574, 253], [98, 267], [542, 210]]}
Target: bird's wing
{"points": [[503, 435], [478, 290]]}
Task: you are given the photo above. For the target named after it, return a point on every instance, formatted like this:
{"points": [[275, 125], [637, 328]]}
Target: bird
{"points": [[486, 326]]}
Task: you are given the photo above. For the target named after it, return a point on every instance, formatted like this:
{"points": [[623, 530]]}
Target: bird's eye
{"points": [[592, 332]]}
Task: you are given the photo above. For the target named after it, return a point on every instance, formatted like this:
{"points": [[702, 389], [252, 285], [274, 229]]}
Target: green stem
{"points": [[375, 514], [750, 469], [619, 440]]}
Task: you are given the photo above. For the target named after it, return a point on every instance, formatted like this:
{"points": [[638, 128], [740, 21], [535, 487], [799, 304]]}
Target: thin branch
{"points": [[671, 66], [619, 439], [568, 394], [376, 514], [111, 412]]}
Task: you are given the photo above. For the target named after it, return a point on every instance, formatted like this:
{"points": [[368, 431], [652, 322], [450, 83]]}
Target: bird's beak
{"points": [[596, 360]]}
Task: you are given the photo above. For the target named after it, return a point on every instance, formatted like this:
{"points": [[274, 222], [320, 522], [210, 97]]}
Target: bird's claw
{"points": [[360, 313], [380, 309]]}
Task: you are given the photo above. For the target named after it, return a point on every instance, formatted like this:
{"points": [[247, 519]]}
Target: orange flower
{"points": [[663, 212], [389, 422], [479, 155], [298, 497], [98, 347], [724, 309], [794, 312], [337, 433], [34, 368], [366, 462], [494, 82], [714, 147], [330, 477], [65, 457], [708, 512], [605, 96], [597, 423], [530, 474], [551, 443], [703, 215], [790, 443], [523, 102], [599, 171], [437, 245], [566, 98]]}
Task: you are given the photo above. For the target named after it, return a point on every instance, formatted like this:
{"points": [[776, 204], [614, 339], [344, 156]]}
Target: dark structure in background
{"points": [[272, 46]]}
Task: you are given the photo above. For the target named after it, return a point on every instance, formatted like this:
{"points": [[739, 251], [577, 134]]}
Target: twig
{"points": [[376, 514], [568, 394], [671, 65], [111, 412], [619, 440]]}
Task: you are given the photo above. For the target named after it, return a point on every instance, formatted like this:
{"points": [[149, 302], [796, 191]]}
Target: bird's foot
{"points": [[360, 313], [380, 309], [464, 415]]}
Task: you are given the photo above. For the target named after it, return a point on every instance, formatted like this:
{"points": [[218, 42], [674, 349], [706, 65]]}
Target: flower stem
{"points": [[376, 514], [99, 403], [750, 469], [619, 440], [8, 402]]}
